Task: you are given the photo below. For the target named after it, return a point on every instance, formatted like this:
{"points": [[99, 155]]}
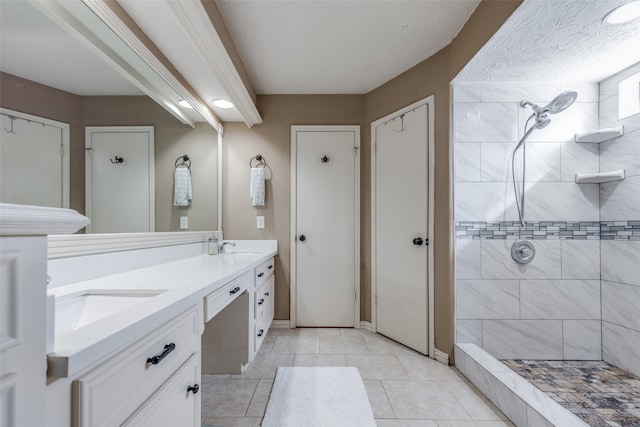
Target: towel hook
{"points": [[261, 161], [117, 160], [401, 124], [185, 158], [13, 119]]}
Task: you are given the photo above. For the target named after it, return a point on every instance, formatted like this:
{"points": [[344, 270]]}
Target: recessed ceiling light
{"points": [[185, 104], [222, 103], [623, 14]]}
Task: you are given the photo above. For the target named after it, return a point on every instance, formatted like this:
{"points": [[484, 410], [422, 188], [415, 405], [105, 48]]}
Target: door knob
{"points": [[302, 238], [417, 241]]}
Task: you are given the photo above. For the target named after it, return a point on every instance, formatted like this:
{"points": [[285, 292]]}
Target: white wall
{"points": [[620, 208], [550, 308]]}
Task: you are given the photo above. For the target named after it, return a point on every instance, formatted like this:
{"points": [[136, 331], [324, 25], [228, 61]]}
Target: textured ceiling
{"points": [[346, 47], [561, 40]]}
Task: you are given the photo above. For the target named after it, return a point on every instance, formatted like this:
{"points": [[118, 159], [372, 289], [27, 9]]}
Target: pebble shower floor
{"points": [[598, 393]]}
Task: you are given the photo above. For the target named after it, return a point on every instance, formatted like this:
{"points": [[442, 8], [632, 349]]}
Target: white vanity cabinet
{"points": [[160, 372], [263, 311]]}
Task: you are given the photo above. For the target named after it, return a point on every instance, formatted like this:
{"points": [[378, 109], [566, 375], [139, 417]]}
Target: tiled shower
{"points": [[579, 298]]}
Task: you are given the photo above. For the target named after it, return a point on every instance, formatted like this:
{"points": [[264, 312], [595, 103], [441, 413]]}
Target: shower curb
{"points": [[517, 398]]}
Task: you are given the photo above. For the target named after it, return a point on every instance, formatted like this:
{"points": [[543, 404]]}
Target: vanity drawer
{"points": [[264, 271], [216, 301], [109, 394]]}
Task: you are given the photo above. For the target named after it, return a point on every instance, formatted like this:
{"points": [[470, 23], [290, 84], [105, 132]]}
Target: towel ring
{"points": [[184, 159], [261, 161]]}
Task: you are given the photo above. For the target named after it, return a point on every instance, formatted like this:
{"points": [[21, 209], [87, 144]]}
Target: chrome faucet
{"points": [[221, 247]]}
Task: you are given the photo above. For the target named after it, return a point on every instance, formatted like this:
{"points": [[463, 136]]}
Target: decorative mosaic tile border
{"points": [[548, 230]]}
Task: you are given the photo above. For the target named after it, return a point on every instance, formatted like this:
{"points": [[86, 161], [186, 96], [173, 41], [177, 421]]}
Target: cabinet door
{"points": [[23, 269], [176, 403], [269, 309]]}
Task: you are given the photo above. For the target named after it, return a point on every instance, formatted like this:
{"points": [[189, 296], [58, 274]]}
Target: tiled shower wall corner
{"points": [[576, 300], [620, 260], [550, 308]]}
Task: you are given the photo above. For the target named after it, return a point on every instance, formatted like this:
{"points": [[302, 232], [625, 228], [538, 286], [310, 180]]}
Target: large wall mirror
{"points": [[50, 75]]}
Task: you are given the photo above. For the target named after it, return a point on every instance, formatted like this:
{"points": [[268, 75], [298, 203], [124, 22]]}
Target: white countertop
{"points": [[186, 282]]}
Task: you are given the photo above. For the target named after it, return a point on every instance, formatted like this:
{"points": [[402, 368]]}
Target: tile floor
{"points": [[595, 391], [405, 388]]}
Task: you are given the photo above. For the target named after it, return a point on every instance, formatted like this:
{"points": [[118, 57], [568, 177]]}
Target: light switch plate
{"points": [[184, 222], [260, 222]]}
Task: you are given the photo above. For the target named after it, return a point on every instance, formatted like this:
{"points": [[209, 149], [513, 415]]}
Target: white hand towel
{"points": [[256, 187], [182, 186]]}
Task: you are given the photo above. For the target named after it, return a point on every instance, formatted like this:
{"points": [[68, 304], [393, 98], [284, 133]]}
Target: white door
{"points": [[401, 166], [325, 226], [33, 157], [120, 179]]}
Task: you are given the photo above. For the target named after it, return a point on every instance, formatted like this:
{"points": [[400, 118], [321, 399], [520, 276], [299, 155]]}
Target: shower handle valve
{"points": [[523, 251]]}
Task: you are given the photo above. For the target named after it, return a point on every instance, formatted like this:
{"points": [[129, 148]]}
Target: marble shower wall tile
{"points": [[578, 118], [489, 201], [620, 261], [560, 299], [622, 153], [466, 92], [537, 92], [581, 259], [487, 299], [467, 162], [609, 116], [620, 304], [621, 347], [582, 339], [620, 200], [609, 86], [495, 161], [548, 201], [523, 339], [587, 92], [468, 259], [477, 122], [469, 331], [498, 264], [543, 162], [578, 158]]}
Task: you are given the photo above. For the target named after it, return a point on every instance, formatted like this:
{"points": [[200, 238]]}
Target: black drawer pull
{"points": [[261, 301], [266, 294], [261, 332], [234, 290], [168, 348], [260, 274], [270, 267], [194, 388]]}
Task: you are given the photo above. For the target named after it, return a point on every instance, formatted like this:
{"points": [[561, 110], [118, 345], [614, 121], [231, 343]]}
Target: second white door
{"points": [[120, 188], [401, 167], [325, 217]]}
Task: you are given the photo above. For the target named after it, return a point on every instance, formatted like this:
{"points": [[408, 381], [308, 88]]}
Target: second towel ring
{"points": [[261, 161], [184, 159]]}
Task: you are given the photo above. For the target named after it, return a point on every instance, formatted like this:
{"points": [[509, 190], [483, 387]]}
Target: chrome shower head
{"points": [[561, 102], [557, 104]]}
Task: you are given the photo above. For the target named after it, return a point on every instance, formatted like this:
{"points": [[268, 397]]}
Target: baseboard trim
{"points": [[281, 324], [365, 325], [441, 356]]}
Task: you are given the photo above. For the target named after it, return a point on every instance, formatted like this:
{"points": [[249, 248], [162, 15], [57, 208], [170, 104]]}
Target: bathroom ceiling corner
{"points": [[557, 41]]}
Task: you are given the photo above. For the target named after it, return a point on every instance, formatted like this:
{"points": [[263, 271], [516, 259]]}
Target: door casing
{"points": [[293, 232], [430, 102]]}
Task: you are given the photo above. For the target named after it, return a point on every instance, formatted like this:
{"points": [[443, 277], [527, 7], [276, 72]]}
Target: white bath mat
{"points": [[318, 397]]}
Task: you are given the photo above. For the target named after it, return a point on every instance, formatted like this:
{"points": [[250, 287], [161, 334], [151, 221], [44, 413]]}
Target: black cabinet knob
{"points": [[302, 238], [417, 241], [194, 388]]}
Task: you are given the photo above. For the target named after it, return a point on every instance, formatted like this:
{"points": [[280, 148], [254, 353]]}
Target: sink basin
{"points": [[79, 309]]}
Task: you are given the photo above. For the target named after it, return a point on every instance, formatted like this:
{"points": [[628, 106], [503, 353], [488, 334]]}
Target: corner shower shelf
{"points": [[600, 135], [599, 178]]}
